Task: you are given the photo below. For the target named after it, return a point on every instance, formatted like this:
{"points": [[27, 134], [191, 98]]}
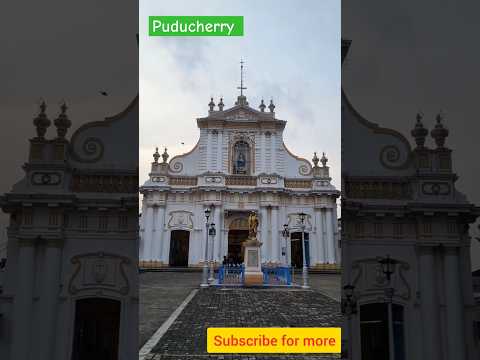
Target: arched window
{"points": [[241, 158]]}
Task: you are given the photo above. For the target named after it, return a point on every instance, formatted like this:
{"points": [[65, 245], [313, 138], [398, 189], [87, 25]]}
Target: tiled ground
{"points": [[161, 293]]}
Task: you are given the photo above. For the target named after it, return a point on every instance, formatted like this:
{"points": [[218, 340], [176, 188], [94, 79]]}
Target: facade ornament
{"points": [[315, 159], [221, 104], [271, 107], [211, 104], [419, 132], [41, 122], [62, 122], [324, 160], [156, 156], [439, 133], [165, 156], [262, 106]]}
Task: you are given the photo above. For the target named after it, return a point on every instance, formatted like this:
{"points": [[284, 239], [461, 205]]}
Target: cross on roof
{"points": [[241, 87]]}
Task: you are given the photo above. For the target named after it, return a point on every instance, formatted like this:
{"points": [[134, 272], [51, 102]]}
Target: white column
{"points": [[218, 228], [158, 233], [147, 245], [276, 246], [312, 241], [165, 252], [319, 236], [264, 234], [274, 152], [49, 298], [262, 165], [454, 305], [22, 306], [430, 313], [142, 229], [219, 150], [330, 238], [209, 150]]}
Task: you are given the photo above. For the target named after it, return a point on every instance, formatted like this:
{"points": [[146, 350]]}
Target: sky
{"points": [[294, 60], [412, 56]]}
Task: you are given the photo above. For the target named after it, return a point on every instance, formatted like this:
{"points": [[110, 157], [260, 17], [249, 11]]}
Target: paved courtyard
{"points": [[161, 293]]}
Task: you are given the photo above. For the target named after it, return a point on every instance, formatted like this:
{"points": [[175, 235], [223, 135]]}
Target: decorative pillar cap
{"points": [[271, 107], [211, 104], [62, 122], [42, 122], [221, 104], [315, 159], [156, 156], [262, 106], [165, 156], [324, 160], [439, 133], [419, 132]]}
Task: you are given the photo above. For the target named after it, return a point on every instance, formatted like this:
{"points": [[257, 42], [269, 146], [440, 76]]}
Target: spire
{"points": [[241, 99], [221, 104], [41, 122], [62, 122], [241, 87]]}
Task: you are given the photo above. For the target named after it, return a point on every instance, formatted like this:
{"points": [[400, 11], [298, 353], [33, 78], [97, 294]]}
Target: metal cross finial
{"points": [[241, 88]]}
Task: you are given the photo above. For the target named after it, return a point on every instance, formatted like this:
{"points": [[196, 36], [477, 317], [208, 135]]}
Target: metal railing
{"points": [[231, 274], [277, 275]]}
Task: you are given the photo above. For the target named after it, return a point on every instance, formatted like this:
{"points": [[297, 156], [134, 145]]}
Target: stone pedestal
{"points": [[253, 264]]}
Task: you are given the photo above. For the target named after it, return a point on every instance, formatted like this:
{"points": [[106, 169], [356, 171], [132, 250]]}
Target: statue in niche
{"points": [[241, 158]]}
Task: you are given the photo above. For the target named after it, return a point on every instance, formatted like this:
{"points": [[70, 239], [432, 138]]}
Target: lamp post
{"points": [[285, 234], [212, 233], [205, 259], [388, 268], [302, 216]]}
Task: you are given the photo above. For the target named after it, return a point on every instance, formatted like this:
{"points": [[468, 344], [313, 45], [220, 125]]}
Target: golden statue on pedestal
{"points": [[252, 225]]}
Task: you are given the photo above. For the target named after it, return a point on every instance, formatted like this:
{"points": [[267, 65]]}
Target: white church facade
{"points": [[239, 165], [71, 271], [406, 267]]}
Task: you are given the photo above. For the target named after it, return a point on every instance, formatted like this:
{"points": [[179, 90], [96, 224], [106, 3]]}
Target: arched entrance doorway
{"points": [[237, 234], [297, 251], [179, 243], [96, 329]]}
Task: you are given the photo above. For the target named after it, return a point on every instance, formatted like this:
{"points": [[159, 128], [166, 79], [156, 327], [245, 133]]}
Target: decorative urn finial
{"points": [[262, 106], [62, 122], [315, 159], [271, 107], [211, 104], [221, 104], [165, 156], [439, 133], [42, 122], [324, 160], [156, 156], [419, 132]]}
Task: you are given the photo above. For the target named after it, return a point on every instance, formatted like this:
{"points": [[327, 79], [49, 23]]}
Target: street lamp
{"points": [[302, 216], [388, 268], [212, 233], [204, 283]]}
